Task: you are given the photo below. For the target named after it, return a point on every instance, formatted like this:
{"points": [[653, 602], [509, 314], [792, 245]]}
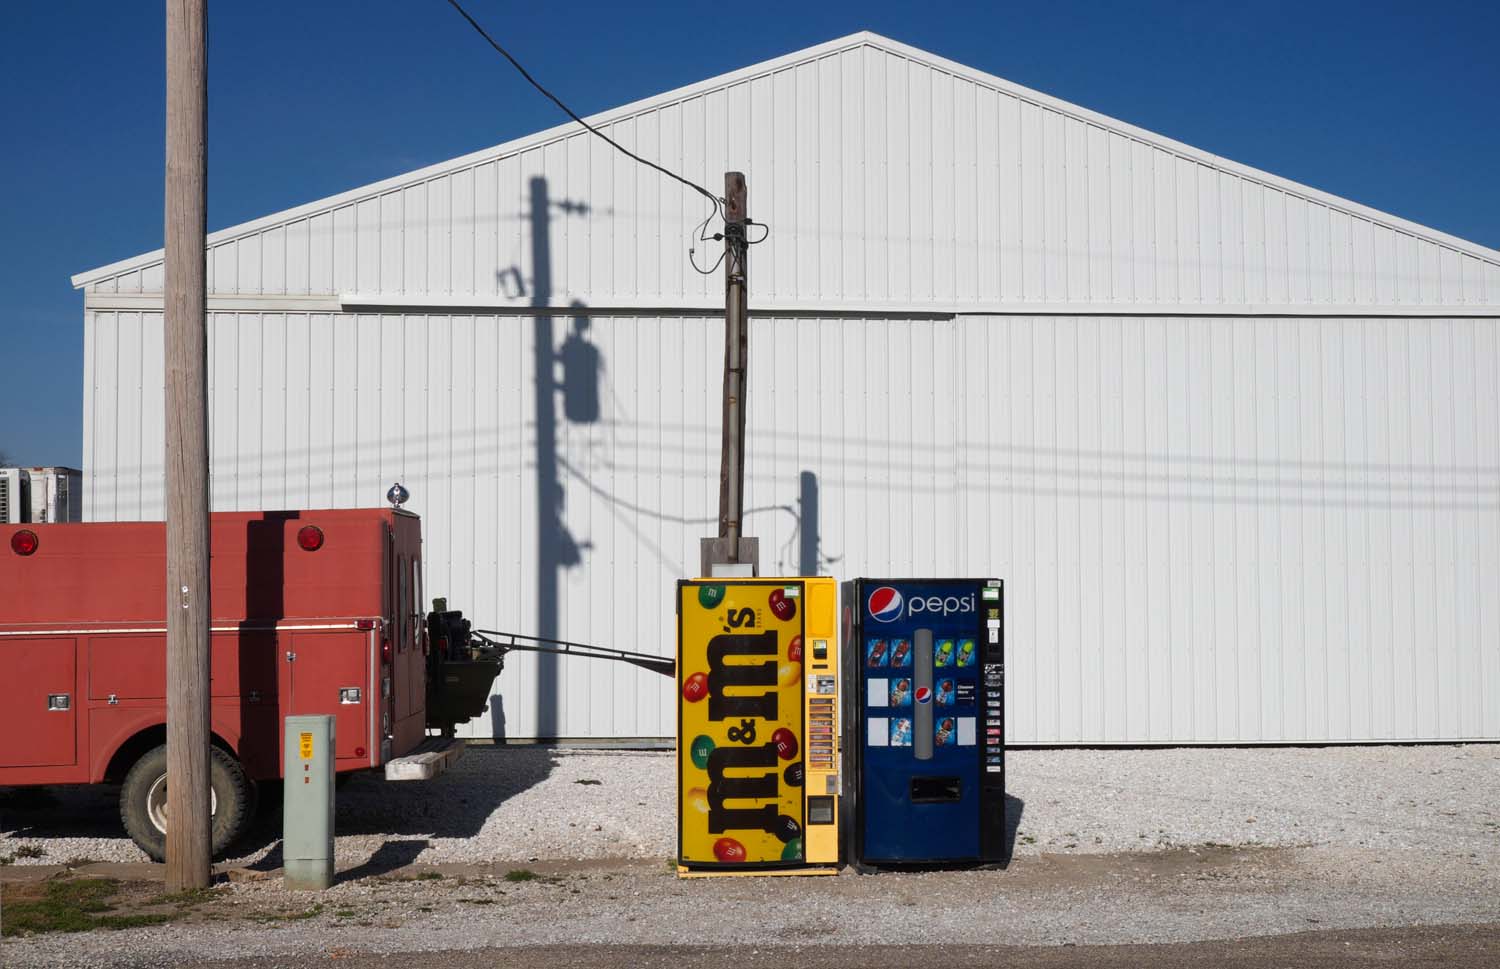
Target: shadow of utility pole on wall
{"points": [[556, 549], [807, 524]]}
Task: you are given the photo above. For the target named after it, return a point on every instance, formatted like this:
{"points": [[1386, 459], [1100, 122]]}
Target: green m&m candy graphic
{"points": [[699, 750], [792, 851], [709, 596]]}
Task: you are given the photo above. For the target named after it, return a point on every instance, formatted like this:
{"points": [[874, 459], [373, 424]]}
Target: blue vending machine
{"points": [[924, 721]]}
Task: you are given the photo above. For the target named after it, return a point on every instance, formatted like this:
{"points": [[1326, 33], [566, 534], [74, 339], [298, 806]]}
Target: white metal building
{"points": [[1234, 443]]}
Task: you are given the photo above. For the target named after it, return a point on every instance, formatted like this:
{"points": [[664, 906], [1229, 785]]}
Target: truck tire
{"points": [[143, 801]]}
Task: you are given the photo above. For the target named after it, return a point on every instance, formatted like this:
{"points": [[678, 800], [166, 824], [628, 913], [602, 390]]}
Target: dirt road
{"points": [[1449, 946]]}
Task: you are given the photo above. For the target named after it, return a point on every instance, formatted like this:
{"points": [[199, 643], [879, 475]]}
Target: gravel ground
{"points": [[523, 803], [1113, 847]]}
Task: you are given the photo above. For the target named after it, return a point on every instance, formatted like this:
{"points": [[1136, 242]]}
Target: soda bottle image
{"points": [[901, 732], [944, 733], [943, 655], [900, 692], [901, 655], [966, 652], [875, 653]]}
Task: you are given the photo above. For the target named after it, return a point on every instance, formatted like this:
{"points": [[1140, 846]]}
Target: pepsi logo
{"points": [[924, 694], [884, 604]]}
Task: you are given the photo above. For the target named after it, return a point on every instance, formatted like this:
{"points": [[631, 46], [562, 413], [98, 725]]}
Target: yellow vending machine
{"points": [[757, 727]]}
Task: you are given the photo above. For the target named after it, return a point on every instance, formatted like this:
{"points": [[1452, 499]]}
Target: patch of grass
{"points": [[78, 861], [7, 860], [346, 913], [428, 876], [69, 905], [1027, 839], [478, 901], [521, 875], [587, 780], [30, 851]]}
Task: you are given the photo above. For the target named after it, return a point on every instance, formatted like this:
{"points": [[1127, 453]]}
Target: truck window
{"points": [[403, 604], [417, 606]]}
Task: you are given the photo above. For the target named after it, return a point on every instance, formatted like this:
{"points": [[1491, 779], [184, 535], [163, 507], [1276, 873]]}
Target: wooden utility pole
{"points": [[730, 549], [189, 815]]}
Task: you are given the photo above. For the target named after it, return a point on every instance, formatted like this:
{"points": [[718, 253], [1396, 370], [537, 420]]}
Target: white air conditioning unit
{"points": [[15, 496], [56, 494]]}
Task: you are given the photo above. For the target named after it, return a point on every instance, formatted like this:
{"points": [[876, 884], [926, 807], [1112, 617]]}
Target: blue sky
{"points": [[1388, 104]]}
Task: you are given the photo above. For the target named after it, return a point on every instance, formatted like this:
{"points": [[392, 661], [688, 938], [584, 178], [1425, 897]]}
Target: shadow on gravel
{"points": [[1014, 807], [61, 812], [389, 857], [453, 805]]}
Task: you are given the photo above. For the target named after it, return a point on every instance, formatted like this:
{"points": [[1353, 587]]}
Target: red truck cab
{"points": [[314, 612]]}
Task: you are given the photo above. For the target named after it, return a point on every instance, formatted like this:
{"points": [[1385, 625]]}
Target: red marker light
{"points": [[385, 652], [359, 751], [310, 537], [24, 542]]}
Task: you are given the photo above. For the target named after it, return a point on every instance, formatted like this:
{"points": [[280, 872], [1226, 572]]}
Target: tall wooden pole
{"points": [[736, 360], [189, 842]]}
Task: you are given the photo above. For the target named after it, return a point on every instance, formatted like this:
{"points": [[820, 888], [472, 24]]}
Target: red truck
{"points": [[314, 612]]}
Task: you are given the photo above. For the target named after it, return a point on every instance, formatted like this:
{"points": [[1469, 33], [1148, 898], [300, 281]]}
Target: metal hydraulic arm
{"points": [[502, 643]]}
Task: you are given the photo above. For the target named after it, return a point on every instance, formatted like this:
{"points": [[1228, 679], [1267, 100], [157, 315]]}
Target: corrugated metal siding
{"points": [[886, 179], [1212, 530], [1238, 530], [317, 410]]}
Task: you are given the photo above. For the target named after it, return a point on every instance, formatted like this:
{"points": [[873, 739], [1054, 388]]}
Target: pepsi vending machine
{"points": [[924, 728]]}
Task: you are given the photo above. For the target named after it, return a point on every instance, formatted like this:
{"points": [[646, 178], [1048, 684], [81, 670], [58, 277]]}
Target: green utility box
{"points": [[307, 819]]}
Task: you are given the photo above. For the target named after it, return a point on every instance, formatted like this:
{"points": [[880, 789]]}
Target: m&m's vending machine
{"points": [[924, 727], [757, 726]]}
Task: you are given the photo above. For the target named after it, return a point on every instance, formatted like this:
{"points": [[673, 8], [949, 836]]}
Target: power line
{"points": [[714, 199]]}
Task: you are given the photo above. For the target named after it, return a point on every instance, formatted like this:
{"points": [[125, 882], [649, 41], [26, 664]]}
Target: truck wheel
{"points": [[143, 801]]}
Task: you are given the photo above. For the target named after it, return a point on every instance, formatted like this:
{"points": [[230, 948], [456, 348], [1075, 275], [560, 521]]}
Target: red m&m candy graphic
{"points": [[786, 743], [695, 687], [794, 650], [729, 850], [781, 606]]}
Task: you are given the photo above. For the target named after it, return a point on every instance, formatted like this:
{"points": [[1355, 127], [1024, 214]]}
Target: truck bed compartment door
{"points": [[322, 666], [38, 702]]}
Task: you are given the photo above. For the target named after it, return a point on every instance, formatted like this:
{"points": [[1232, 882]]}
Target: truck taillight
{"points": [[24, 542], [310, 537]]}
